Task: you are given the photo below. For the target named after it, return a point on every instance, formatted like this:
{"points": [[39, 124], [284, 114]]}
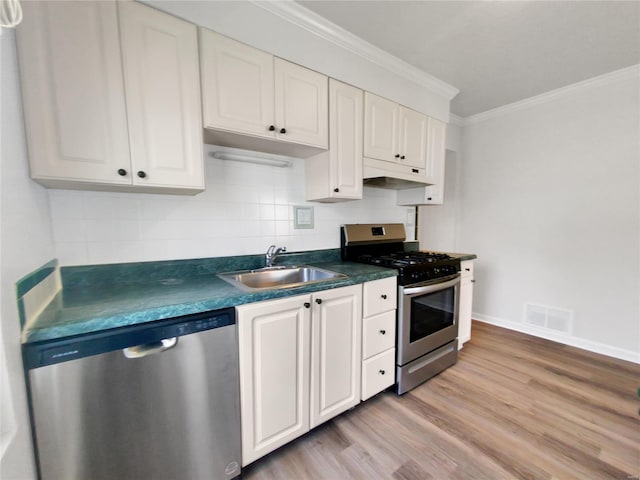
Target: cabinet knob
{"points": [[307, 305], [283, 130], [336, 190], [429, 198], [122, 172], [467, 269], [383, 296], [402, 157], [381, 372], [397, 155], [272, 128], [473, 281], [415, 170], [318, 301], [141, 174], [383, 332]]}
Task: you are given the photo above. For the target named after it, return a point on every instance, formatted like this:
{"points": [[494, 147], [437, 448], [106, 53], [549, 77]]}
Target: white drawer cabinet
{"points": [[378, 373], [380, 296], [466, 302], [378, 335]]}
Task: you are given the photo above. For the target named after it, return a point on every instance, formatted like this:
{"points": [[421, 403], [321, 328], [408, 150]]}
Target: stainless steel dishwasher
{"points": [[158, 401]]}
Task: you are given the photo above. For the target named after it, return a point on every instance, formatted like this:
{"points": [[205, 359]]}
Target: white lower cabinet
{"points": [[466, 302], [299, 365], [378, 336]]}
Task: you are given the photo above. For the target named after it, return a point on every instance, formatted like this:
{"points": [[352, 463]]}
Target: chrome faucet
{"points": [[272, 253]]}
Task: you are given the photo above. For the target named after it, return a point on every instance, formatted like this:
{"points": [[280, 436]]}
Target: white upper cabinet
{"points": [[436, 152], [247, 92], [381, 121], [395, 141], [413, 138], [237, 86], [336, 175], [302, 105], [72, 91], [96, 120], [161, 75]]}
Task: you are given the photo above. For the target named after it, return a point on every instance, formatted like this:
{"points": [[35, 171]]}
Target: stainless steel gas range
{"points": [[428, 299]]}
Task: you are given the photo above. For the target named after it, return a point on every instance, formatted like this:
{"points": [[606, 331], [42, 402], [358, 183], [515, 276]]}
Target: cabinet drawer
{"points": [[378, 373], [466, 268], [378, 333], [379, 296]]}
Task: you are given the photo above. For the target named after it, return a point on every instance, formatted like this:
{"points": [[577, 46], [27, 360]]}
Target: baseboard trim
{"points": [[589, 345]]}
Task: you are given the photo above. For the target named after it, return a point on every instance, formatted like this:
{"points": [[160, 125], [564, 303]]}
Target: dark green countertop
{"points": [[102, 297]]}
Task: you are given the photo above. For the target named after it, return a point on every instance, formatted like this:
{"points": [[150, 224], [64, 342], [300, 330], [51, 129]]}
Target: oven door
{"points": [[427, 316]]}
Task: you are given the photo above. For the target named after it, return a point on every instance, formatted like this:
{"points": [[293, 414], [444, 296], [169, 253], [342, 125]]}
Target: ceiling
{"points": [[496, 52]]}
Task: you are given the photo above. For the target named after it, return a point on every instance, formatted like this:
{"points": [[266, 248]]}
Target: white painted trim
{"points": [[456, 120], [312, 22], [607, 78], [589, 345]]}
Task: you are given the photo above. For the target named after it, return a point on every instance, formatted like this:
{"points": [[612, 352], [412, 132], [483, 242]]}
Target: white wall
{"points": [[244, 209], [550, 204], [26, 244]]}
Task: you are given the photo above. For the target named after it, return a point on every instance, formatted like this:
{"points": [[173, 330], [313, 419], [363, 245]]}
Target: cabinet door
{"points": [[436, 151], [381, 124], [466, 305], [73, 93], [345, 154], [237, 86], [162, 84], [336, 334], [413, 138], [274, 340], [302, 104]]}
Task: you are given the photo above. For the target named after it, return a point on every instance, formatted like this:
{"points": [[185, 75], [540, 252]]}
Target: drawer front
{"points": [[466, 268], [378, 333], [379, 296], [378, 373]]}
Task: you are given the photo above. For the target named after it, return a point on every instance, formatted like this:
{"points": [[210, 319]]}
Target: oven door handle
{"points": [[431, 288]]}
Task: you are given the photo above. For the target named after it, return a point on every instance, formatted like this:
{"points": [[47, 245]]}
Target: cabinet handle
{"points": [[383, 332], [415, 170], [473, 281], [141, 174], [122, 172], [397, 155], [336, 190], [429, 198], [384, 296], [402, 157], [468, 269], [283, 130], [307, 305], [381, 372], [272, 128], [318, 301]]}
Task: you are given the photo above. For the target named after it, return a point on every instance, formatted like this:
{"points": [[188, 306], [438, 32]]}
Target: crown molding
{"points": [[312, 22], [600, 80], [456, 120]]}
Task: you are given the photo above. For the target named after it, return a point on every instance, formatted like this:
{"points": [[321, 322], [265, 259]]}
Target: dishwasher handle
{"points": [[139, 351]]}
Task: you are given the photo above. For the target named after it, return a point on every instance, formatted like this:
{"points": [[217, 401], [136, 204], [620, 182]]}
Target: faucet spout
{"points": [[272, 254]]}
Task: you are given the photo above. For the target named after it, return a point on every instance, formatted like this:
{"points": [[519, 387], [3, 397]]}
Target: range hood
{"points": [[393, 176]]}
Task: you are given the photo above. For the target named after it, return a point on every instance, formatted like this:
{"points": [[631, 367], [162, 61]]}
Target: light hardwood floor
{"points": [[514, 406]]}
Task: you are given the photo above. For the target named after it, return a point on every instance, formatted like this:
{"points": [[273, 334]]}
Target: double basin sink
{"points": [[271, 278]]}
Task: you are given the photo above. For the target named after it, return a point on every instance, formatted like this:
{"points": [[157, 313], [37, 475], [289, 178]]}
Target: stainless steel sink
{"points": [[278, 277]]}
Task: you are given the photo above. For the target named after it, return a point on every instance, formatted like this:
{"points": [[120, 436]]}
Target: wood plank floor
{"points": [[514, 406]]}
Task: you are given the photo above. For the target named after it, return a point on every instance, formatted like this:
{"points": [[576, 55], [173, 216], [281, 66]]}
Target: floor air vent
{"points": [[551, 318]]}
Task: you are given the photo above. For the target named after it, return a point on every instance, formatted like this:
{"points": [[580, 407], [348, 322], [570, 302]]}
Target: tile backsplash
{"points": [[243, 210]]}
